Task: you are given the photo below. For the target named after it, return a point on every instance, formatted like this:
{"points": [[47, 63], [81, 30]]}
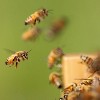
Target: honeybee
{"points": [[92, 64], [31, 34], [37, 16], [56, 27], [67, 91], [16, 57], [55, 79], [55, 57], [70, 88]]}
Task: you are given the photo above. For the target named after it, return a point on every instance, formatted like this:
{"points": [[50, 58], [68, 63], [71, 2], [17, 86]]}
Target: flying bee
{"points": [[37, 16], [92, 64], [55, 57], [55, 79], [16, 57], [56, 27], [70, 88], [31, 34]]}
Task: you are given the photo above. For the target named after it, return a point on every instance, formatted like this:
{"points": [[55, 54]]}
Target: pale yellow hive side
{"points": [[72, 69]]}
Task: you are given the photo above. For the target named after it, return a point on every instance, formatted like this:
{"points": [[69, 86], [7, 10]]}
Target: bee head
{"points": [[44, 10], [58, 51], [24, 54]]}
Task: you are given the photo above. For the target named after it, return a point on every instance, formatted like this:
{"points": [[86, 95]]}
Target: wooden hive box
{"points": [[72, 69]]}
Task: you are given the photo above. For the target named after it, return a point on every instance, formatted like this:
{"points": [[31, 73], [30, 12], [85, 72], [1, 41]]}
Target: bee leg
{"points": [[35, 21], [38, 19], [16, 64], [17, 60], [46, 14], [23, 58], [43, 17], [26, 57]]}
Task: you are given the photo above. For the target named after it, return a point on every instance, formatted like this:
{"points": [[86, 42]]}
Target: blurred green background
{"points": [[30, 80]]}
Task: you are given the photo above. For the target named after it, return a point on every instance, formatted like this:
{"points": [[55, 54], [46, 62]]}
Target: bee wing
{"points": [[50, 11], [10, 51]]}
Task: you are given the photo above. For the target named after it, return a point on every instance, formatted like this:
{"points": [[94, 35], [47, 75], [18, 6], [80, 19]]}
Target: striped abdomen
{"points": [[87, 60]]}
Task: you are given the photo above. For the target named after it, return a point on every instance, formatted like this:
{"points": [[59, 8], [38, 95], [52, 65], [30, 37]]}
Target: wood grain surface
{"points": [[73, 69]]}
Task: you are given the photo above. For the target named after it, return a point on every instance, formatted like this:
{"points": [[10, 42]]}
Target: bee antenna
{"points": [[50, 10], [29, 50]]}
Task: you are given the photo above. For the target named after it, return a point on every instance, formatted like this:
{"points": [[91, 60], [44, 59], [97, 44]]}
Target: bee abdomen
{"points": [[28, 20]]}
